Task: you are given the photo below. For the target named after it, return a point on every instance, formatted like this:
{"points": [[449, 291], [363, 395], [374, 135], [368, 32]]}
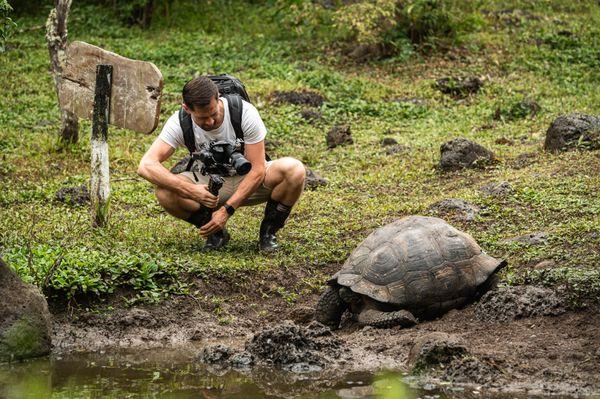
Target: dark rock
{"points": [[310, 115], [25, 321], [388, 141], [304, 97], [314, 180], [462, 209], [573, 130], [470, 370], [433, 350], [241, 360], [339, 135], [288, 344], [537, 238], [511, 303], [459, 86], [462, 153], [216, 354], [77, 195], [497, 189]]}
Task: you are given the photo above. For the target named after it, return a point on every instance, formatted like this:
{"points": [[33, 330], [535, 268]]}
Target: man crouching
{"points": [[279, 183]]}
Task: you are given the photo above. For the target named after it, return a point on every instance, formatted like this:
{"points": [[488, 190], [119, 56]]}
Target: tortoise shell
{"points": [[418, 263]]}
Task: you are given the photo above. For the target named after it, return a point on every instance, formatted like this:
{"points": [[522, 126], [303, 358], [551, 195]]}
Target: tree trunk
{"points": [[56, 36]]}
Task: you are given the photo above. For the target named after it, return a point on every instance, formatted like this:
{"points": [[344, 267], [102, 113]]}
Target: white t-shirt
{"points": [[252, 125]]}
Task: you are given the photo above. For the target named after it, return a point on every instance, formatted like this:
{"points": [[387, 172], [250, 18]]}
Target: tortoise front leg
{"points": [[330, 307]]}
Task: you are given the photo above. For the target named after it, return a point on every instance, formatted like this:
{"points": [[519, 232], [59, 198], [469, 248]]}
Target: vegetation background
{"points": [[375, 63]]}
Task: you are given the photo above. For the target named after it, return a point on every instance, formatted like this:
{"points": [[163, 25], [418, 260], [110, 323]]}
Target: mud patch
{"points": [[291, 347], [304, 97], [78, 195], [512, 303]]}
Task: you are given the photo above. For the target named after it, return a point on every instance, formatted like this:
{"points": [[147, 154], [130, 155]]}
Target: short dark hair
{"points": [[199, 91]]}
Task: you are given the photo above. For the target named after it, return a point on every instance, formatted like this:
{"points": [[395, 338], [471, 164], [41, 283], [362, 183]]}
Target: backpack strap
{"points": [[185, 121], [236, 108]]}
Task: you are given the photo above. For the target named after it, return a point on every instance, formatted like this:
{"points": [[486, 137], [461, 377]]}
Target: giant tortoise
{"points": [[417, 265]]}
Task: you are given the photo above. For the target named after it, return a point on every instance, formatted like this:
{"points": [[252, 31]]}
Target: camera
{"points": [[219, 157]]}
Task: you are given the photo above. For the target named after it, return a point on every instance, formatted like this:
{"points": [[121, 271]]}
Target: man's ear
{"points": [[186, 108]]}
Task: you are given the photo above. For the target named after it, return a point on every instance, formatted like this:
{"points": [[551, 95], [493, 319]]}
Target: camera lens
{"points": [[240, 163]]}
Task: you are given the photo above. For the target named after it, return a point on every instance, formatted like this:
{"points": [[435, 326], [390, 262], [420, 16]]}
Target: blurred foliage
{"points": [[7, 25]]}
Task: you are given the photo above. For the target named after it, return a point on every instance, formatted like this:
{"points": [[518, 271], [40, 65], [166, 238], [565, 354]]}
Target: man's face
{"points": [[209, 117]]}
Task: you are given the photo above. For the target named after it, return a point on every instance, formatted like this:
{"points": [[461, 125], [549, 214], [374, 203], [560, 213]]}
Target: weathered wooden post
{"points": [[100, 179], [108, 88], [56, 36]]}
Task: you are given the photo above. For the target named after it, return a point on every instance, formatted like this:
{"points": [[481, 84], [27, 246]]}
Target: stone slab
{"points": [[136, 87]]}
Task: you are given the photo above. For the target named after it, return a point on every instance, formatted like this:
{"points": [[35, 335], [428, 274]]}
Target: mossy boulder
{"points": [[24, 318], [573, 130]]}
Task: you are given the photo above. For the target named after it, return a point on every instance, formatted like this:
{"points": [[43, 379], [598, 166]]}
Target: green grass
{"points": [[153, 255]]}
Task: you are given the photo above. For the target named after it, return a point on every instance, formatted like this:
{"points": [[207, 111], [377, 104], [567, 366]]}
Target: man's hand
{"points": [[201, 195], [218, 222]]}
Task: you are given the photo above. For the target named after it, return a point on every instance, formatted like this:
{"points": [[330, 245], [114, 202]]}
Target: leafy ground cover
{"points": [[546, 51]]}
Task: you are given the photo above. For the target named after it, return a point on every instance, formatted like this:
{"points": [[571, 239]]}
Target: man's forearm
{"points": [[160, 176], [247, 187]]}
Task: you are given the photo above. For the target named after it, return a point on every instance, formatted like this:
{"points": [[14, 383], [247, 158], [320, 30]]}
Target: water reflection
{"points": [[176, 375]]}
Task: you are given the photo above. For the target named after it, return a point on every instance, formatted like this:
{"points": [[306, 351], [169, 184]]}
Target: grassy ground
{"points": [[521, 53]]}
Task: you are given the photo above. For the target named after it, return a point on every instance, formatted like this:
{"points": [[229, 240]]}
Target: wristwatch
{"points": [[230, 210]]}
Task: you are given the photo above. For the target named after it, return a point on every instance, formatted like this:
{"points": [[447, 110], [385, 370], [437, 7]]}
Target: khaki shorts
{"points": [[262, 194]]}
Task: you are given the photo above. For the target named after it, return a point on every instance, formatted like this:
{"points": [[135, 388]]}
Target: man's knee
{"points": [[294, 170]]}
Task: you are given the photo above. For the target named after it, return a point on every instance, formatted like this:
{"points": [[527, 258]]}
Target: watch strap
{"points": [[230, 210]]}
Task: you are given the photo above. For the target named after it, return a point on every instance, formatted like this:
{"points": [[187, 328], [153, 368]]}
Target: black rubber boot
{"points": [[275, 216], [217, 240]]}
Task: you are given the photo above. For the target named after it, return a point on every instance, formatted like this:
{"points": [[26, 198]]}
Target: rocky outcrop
{"points": [[572, 130], [24, 318]]}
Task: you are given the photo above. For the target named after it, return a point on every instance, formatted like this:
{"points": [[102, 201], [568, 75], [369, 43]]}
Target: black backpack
{"points": [[234, 91]]}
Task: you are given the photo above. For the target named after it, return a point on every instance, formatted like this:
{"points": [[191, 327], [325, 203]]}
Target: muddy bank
{"points": [[539, 355]]}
